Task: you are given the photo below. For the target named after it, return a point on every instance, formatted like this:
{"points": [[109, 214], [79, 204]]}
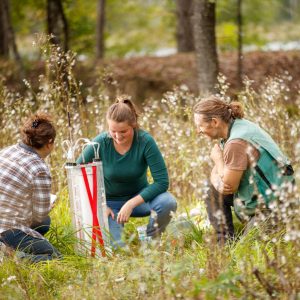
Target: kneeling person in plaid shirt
{"points": [[25, 185]]}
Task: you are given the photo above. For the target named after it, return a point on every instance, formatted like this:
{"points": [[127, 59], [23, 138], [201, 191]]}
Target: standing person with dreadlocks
{"points": [[126, 152], [248, 164], [25, 185]]}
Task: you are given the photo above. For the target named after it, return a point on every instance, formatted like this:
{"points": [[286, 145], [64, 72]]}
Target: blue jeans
{"points": [[34, 249], [162, 205]]}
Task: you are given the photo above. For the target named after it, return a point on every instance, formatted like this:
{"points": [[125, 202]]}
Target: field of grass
{"points": [[186, 263]]}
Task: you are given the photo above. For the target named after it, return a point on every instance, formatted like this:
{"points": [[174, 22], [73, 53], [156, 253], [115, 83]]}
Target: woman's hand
{"points": [[220, 186], [109, 212], [125, 212], [226, 189], [53, 199]]}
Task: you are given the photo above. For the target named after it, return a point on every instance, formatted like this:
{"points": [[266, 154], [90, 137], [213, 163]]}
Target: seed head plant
{"points": [[187, 263]]}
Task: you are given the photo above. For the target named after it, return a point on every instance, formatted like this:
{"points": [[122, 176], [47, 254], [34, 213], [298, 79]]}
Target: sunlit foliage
{"points": [[187, 263]]}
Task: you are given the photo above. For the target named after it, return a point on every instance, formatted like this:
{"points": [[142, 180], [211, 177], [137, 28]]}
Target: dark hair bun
{"points": [[38, 130]]}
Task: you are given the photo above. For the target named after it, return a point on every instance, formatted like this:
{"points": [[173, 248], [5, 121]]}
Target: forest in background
{"points": [[187, 262], [128, 35], [138, 27]]}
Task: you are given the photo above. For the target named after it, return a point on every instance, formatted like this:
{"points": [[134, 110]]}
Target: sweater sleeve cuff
{"points": [[146, 195]]}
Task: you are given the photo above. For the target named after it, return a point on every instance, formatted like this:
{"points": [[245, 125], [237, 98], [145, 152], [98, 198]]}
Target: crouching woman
{"points": [[25, 185], [127, 152], [248, 164]]}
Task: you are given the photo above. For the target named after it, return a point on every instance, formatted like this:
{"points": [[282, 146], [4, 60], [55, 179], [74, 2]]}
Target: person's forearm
{"points": [[135, 201], [41, 188], [40, 209], [219, 164], [39, 217], [222, 185], [126, 210], [217, 157], [154, 189], [216, 179]]}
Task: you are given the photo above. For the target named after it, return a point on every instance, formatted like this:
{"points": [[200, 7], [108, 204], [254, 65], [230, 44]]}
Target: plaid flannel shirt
{"points": [[25, 185]]}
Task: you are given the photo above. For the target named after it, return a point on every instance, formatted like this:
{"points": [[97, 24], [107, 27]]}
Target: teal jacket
{"points": [[271, 172]]}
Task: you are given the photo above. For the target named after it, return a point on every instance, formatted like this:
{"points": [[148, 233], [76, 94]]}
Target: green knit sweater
{"points": [[126, 175]]}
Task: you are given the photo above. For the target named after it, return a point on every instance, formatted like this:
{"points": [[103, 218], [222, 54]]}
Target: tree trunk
{"points": [[240, 44], [57, 24], [184, 35], [100, 29], [205, 44], [4, 34], [293, 5], [7, 35]]}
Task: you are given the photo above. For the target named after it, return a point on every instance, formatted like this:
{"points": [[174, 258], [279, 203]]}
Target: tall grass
{"points": [[186, 263]]}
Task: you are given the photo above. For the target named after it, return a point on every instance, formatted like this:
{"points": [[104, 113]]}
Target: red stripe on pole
{"points": [[96, 232]]}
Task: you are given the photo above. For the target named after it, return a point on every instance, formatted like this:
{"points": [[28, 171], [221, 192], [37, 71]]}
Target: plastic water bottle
{"points": [[142, 233]]}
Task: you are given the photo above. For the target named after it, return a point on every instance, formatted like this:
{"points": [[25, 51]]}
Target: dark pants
{"points": [[34, 249], [218, 208]]}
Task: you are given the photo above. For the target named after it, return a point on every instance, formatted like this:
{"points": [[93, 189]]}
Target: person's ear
{"points": [[214, 122], [50, 143]]}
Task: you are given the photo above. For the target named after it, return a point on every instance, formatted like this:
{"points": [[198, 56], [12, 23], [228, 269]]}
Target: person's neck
{"points": [[226, 130], [41, 152], [123, 148]]}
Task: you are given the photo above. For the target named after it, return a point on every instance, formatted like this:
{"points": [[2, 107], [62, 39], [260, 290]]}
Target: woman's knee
{"points": [[165, 202], [172, 203]]}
